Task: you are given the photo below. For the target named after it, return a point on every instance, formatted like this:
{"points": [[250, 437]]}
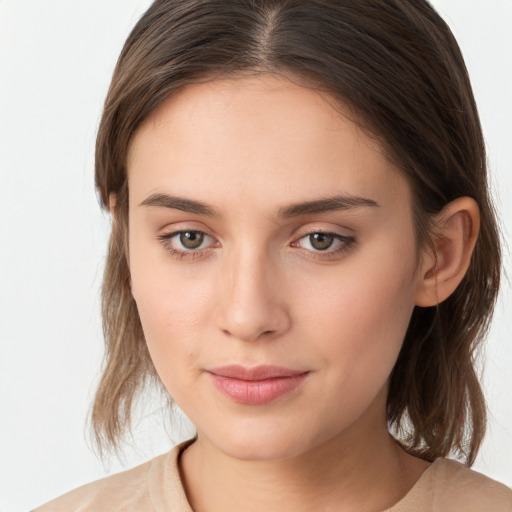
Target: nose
{"points": [[251, 303]]}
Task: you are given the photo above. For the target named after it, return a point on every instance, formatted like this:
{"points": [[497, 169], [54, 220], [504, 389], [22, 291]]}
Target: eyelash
{"points": [[346, 244], [166, 239]]}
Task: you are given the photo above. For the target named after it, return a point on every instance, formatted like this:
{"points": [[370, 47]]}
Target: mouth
{"points": [[257, 385]]}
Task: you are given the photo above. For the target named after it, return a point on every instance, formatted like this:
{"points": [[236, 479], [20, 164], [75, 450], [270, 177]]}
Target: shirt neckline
{"points": [[179, 491]]}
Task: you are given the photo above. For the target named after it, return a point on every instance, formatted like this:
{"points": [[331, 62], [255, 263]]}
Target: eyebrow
{"points": [[328, 204], [179, 203]]}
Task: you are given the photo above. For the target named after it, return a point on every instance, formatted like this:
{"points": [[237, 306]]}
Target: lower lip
{"points": [[256, 392]]}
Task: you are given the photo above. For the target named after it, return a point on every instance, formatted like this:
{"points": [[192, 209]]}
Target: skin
{"points": [[257, 291]]}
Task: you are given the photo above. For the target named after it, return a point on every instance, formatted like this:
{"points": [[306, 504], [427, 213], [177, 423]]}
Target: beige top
{"points": [[155, 486]]}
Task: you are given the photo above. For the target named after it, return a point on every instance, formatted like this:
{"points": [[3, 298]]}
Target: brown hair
{"points": [[398, 66]]}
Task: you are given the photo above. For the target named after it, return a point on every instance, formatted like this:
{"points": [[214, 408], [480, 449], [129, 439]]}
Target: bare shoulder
{"points": [[128, 490], [459, 488]]}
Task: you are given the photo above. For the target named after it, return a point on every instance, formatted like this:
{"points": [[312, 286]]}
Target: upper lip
{"points": [[261, 372]]}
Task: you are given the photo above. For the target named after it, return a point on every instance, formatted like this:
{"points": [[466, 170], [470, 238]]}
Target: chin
{"points": [[264, 442]]}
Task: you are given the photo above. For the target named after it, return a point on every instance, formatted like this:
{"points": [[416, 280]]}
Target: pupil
{"points": [[191, 239], [321, 241]]}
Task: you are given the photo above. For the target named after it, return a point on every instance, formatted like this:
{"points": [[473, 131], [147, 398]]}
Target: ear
{"points": [[112, 198], [446, 262]]}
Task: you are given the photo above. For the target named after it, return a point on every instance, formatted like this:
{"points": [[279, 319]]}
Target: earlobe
{"points": [[449, 256]]}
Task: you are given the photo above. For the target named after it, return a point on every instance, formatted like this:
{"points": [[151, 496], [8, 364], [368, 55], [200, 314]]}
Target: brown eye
{"points": [[188, 243], [326, 243], [321, 241], [191, 239]]}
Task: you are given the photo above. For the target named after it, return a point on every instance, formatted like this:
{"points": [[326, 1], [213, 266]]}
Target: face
{"points": [[273, 263]]}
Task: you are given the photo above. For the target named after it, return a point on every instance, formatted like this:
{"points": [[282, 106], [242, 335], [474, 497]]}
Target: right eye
{"points": [[187, 242]]}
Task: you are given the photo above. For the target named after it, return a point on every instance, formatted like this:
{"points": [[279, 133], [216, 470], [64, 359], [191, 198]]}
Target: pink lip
{"points": [[257, 385]]}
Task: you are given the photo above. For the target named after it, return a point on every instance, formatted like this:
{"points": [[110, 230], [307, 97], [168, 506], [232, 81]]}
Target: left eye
{"points": [[322, 241]]}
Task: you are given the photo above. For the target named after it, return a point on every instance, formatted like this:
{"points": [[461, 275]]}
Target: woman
{"points": [[303, 253]]}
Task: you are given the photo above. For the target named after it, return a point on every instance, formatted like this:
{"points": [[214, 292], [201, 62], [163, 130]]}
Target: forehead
{"points": [[261, 135]]}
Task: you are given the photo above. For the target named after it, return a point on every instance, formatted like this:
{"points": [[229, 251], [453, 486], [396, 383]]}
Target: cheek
{"points": [[172, 307], [170, 312], [362, 313], [165, 293], [171, 322]]}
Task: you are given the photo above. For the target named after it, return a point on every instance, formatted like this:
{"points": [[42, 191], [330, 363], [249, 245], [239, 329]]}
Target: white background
{"points": [[56, 58]]}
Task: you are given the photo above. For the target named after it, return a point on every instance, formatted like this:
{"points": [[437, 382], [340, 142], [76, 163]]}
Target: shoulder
{"points": [[125, 491], [449, 486], [478, 492]]}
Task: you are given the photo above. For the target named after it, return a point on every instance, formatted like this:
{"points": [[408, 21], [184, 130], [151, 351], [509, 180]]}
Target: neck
{"points": [[360, 470]]}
